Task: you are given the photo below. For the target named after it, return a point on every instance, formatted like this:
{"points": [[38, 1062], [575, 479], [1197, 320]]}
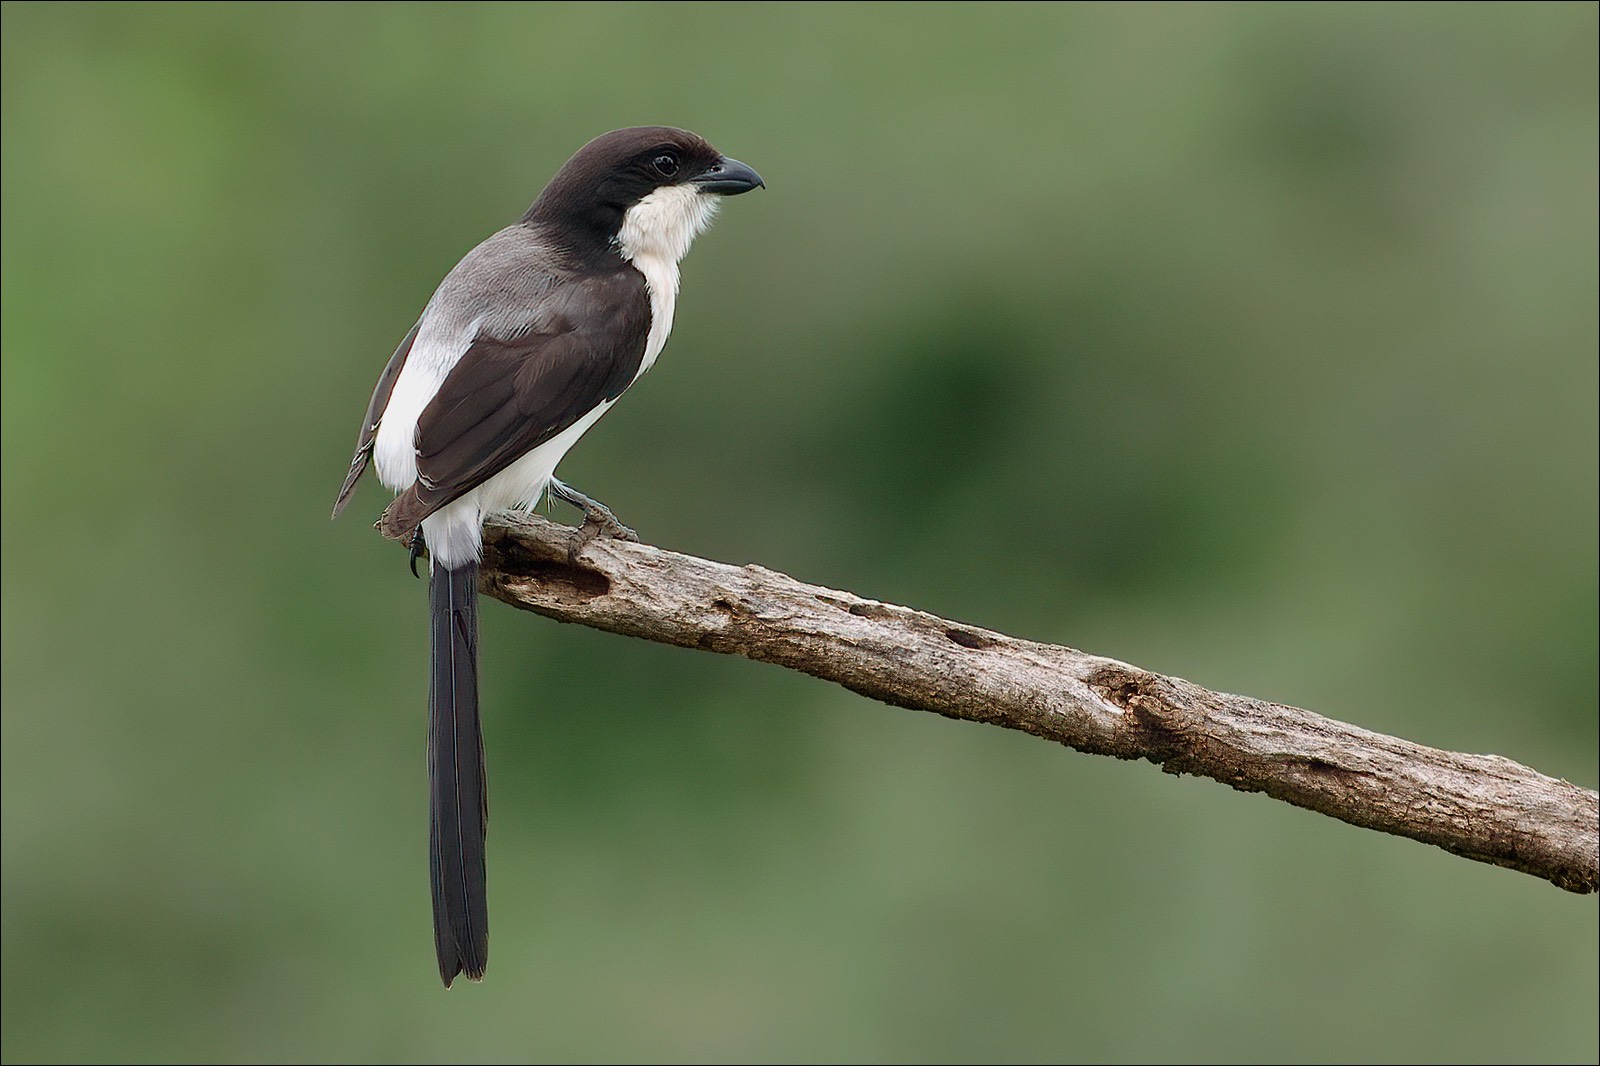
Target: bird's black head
{"points": [[592, 194]]}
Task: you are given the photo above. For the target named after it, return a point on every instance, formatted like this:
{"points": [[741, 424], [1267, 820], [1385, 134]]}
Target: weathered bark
{"points": [[1482, 807]]}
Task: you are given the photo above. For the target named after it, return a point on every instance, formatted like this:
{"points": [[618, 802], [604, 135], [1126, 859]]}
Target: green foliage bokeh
{"points": [[1250, 343]]}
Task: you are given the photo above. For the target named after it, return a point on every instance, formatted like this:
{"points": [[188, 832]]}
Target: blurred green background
{"points": [[1254, 344]]}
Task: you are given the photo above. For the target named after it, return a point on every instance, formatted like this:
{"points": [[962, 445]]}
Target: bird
{"points": [[526, 343]]}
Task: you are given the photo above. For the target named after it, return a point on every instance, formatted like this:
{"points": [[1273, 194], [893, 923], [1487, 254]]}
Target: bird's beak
{"points": [[728, 177]]}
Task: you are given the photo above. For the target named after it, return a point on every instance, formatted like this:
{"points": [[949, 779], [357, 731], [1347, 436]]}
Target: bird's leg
{"points": [[597, 517]]}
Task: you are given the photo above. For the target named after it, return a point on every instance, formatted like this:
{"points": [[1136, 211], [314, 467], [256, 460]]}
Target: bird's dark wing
{"points": [[369, 425], [508, 395]]}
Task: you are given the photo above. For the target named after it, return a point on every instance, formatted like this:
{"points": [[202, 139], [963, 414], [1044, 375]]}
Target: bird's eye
{"points": [[666, 164]]}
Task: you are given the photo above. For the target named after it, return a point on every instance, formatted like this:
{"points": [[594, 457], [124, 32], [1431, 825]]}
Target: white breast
{"points": [[655, 236]]}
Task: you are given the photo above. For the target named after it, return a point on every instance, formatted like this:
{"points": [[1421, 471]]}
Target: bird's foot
{"points": [[598, 521]]}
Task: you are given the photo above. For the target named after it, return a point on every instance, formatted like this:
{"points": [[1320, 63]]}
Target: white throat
{"points": [[656, 234]]}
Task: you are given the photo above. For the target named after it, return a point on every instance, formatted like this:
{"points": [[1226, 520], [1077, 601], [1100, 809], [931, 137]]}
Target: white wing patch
{"points": [[438, 348]]}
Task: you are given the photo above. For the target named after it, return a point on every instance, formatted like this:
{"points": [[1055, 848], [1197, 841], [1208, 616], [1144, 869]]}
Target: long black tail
{"points": [[458, 801]]}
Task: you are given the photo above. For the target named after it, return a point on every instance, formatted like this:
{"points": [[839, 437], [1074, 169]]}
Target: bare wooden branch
{"points": [[1483, 807]]}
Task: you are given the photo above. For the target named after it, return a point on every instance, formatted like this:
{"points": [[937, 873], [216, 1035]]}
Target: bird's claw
{"points": [[597, 523], [418, 546]]}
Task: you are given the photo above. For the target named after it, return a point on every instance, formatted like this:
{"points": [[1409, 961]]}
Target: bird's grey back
{"points": [[506, 287]]}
